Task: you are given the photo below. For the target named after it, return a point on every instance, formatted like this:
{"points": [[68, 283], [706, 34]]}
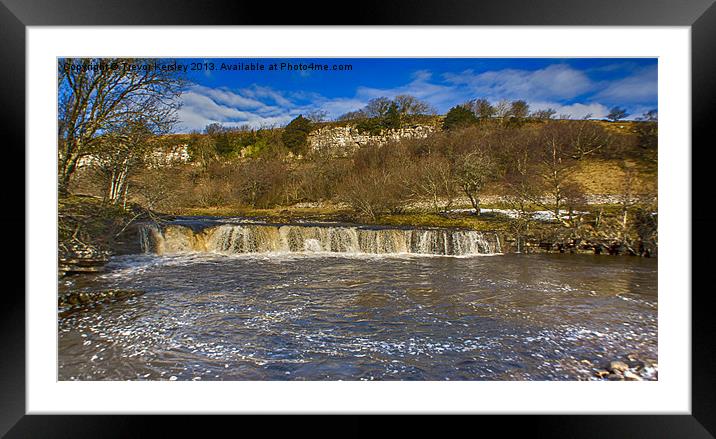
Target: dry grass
{"points": [[607, 177]]}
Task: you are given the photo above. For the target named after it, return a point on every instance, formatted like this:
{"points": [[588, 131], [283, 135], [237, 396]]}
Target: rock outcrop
{"points": [[76, 257], [342, 141], [631, 369], [72, 301]]}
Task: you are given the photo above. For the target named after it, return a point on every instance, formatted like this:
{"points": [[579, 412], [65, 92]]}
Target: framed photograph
{"points": [[470, 209]]}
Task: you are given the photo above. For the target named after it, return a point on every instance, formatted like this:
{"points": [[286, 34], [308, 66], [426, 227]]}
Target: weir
{"points": [[349, 239]]}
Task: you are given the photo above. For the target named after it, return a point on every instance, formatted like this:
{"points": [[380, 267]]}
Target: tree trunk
{"points": [[558, 204], [124, 203], [475, 202], [625, 218], [117, 183], [68, 164], [68, 168]]}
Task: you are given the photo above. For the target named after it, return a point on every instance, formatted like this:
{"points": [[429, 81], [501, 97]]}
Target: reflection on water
{"points": [[302, 317]]}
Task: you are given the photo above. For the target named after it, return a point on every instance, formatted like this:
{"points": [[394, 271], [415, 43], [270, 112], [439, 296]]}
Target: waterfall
{"points": [[270, 238]]}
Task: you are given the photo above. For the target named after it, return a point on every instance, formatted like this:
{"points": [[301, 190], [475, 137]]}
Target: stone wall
{"points": [[341, 141]]}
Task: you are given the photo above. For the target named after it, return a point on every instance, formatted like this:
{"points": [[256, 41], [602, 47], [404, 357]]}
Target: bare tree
{"points": [[411, 105], [97, 94], [649, 116], [435, 179], [519, 109], [616, 114], [586, 137], [628, 198], [121, 152], [474, 170], [522, 189], [370, 193], [556, 166], [214, 129], [377, 107], [317, 116], [352, 115], [502, 109], [545, 114], [481, 107]]}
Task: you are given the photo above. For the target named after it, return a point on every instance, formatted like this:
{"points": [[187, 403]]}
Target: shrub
{"points": [[373, 193], [459, 117], [295, 135]]}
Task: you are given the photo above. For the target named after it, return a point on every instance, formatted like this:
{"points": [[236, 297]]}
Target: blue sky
{"points": [[576, 87]]}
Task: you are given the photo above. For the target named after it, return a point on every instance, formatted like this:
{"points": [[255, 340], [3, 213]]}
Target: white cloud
{"points": [[639, 87], [259, 91], [336, 107], [256, 106], [557, 81], [228, 97], [576, 111], [203, 105], [206, 106]]}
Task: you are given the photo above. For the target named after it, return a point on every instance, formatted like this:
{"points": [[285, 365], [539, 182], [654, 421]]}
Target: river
{"points": [[318, 315]]}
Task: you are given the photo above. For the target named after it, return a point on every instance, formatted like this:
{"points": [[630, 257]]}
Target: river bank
{"points": [[90, 232]]}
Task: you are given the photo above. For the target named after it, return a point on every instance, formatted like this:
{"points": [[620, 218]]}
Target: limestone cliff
{"points": [[341, 141]]}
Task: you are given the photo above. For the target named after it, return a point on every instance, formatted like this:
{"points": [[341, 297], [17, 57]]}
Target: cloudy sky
{"points": [[577, 87]]}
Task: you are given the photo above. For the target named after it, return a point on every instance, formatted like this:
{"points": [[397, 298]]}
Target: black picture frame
{"points": [[16, 15]]}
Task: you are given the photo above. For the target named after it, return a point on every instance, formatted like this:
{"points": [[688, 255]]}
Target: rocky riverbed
{"points": [[631, 368], [70, 301]]}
